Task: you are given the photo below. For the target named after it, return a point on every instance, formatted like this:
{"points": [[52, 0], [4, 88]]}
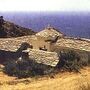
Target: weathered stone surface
{"points": [[49, 33], [78, 44], [44, 57], [12, 44]]}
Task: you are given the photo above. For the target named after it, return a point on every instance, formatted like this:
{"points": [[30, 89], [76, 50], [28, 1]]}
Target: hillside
{"points": [[35, 55], [60, 81], [13, 30]]}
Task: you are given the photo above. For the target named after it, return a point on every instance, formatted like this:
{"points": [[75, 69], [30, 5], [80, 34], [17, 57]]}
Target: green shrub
{"points": [[25, 68], [69, 60], [20, 69]]}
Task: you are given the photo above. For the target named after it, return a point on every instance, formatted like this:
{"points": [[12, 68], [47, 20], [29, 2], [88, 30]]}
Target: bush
{"points": [[20, 69], [69, 60], [26, 68]]}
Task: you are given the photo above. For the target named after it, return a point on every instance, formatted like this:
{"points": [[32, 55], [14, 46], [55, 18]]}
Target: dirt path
{"points": [[65, 81]]}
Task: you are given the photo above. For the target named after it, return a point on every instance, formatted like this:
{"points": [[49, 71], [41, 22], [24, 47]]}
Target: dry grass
{"points": [[60, 81]]}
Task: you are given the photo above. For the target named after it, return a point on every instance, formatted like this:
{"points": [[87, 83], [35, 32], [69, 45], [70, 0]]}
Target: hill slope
{"points": [[61, 81], [12, 30]]}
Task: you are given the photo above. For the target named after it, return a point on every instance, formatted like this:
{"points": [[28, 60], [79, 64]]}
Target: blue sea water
{"points": [[70, 23]]}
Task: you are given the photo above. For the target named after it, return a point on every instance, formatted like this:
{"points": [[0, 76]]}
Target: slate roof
{"points": [[49, 33]]}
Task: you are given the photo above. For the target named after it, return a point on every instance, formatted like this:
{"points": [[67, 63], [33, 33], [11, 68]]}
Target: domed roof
{"points": [[49, 33]]}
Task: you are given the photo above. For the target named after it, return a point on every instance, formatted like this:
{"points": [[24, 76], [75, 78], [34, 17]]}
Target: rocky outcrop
{"points": [[12, 30]]}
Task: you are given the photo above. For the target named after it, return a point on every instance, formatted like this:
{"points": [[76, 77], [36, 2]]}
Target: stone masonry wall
{"points": [[44, 57], [49, 58]]}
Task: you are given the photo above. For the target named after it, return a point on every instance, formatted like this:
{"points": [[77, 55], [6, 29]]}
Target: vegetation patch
{"points": [[70, 60], [25, 68]]}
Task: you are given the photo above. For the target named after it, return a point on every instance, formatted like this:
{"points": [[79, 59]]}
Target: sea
{"points": [[73, 24]]}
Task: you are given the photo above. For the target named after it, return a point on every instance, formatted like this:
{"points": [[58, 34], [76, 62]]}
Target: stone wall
{"points": [[78, 44], [44, 57], [12, 44], [49, 58]]}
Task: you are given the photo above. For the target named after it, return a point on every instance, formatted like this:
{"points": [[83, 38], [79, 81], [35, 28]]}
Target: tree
{"points": [[1, 21], [2, 31]]}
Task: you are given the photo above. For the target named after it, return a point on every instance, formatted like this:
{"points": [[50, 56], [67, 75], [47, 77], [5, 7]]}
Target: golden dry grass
{"points": [[61, 81]]}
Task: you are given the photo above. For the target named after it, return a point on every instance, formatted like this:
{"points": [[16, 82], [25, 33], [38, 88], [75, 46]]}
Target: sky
{"points": [[44, 5]]}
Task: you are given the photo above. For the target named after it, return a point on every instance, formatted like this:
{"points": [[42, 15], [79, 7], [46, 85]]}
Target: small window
{"points": [[43, 48], [31, 46]]}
